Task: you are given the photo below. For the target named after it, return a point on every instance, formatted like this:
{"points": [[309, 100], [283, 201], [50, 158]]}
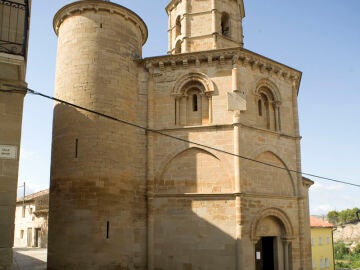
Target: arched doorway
{"points": [[272, 234]]}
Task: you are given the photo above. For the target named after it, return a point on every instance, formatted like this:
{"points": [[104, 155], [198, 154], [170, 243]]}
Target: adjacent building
{"points": [[14, 26], [31, 220], [194, 167], [322, 247]]}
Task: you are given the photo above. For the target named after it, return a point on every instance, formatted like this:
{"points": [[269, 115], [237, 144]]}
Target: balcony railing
{"points": [[14, 26]]}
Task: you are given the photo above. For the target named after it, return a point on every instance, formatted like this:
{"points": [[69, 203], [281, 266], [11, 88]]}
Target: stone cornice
{"points": [[226, 196], [96, 6], [207, 127], [228, 127], [172, 5], [307, 182], [277, 133], [230, 56]]}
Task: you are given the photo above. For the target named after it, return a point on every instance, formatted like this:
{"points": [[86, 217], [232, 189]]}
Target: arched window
{"points": [[260, 107], [268, 111], [178, 26], [263, 109], [193, 100], [178, 47], [225, 25], [195, 103]]}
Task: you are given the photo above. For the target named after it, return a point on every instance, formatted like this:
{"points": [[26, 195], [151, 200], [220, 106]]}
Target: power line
{"points": [[30, 91]]}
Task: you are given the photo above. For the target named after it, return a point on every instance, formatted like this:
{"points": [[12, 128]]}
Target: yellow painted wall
{"points": [[322, 248]]}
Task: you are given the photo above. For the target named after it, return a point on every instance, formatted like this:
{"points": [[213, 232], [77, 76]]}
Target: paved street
{"points": [[30, 258]]}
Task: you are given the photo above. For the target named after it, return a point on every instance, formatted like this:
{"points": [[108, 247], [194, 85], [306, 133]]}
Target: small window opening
{"points": [[76, 147], [176, 112], [225, 25], [107, 229], [260, 107], [21, 234], [178, 47], [195, 103], [178, 26]]}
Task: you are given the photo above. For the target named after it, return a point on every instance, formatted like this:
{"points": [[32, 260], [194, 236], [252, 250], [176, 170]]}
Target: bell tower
{"points": [[204, 25]]}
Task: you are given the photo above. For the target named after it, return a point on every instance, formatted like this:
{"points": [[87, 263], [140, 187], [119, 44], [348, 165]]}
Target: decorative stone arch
{"points": [[283, 255], [209, 87], [175, 154], [171, 159], [268, 101], [280, 216], [273, 150], [271, 86], [193, 84]]}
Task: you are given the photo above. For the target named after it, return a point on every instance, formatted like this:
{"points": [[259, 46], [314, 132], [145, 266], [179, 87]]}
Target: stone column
{"points": [[186, 110], [236, 121], [210, 108], [177, 110], [149, 173], [236, 124], [170, 36], [277, 116], [286, 244], [234, 78], [213, 14], [185, 27]]}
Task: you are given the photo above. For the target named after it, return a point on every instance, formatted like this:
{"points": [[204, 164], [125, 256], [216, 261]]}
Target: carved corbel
{"points": [[210, 59], [261, 67], [235, 59], [161, 65], [284, 75], [269, 68], [222, 60]]}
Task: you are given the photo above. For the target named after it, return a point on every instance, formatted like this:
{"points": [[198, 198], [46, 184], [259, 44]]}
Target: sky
{"points": [[320, 38]]}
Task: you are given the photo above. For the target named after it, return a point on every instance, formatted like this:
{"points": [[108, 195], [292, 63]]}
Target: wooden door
{"points": [[29, 237]]}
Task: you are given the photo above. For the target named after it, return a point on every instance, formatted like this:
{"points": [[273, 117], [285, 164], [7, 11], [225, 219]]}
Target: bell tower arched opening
{"points": [[205, 25], [225, 25]]}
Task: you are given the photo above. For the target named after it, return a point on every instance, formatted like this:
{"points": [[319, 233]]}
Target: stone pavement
{"points": [[30, 259]]}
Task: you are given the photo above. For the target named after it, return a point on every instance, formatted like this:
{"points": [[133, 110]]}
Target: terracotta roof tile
{"points": [[317, 222]]}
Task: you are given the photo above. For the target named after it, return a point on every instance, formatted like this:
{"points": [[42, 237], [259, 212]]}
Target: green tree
{"points": [[347, 215], [333, 217]]}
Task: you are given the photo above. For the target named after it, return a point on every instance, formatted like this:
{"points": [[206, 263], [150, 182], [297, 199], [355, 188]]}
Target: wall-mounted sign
{"points": [[8, 152]]}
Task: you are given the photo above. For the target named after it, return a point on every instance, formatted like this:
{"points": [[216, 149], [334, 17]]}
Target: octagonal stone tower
{"points": [[97, 194], [204, 25]]}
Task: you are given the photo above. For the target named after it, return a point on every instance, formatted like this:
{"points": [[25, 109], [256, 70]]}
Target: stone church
{"points": [[195, 168]]}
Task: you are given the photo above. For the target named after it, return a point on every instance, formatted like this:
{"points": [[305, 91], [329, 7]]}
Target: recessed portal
{"points": [[264, 254]]}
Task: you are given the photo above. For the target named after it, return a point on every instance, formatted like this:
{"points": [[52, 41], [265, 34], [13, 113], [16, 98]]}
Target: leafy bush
{"points": [[341, 250]]}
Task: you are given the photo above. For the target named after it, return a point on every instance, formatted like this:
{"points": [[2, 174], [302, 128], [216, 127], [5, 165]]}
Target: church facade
{"points": [[196, 168]]}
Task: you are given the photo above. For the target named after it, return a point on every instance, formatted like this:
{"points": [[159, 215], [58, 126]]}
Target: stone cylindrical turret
{"points": [[97, 192]]}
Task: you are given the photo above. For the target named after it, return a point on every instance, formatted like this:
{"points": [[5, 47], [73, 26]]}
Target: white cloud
{"points": [[321, 209], [330, 187]]}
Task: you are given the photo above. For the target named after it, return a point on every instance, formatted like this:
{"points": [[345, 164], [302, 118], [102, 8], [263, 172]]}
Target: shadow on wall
{"points": [[194, 213], [194, 225]]}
